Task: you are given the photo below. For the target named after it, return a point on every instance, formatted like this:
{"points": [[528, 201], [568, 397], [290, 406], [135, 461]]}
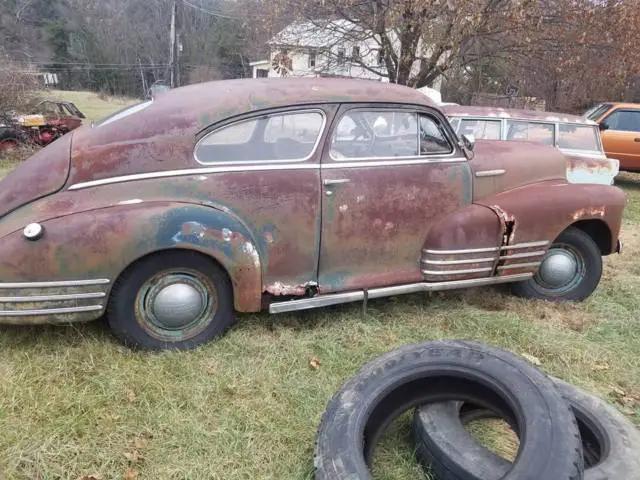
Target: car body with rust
{"points": [[577, 137], [285, 194]]}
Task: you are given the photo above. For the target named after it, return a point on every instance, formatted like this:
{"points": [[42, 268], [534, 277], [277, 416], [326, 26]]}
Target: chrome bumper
{"points": [[69, 301]]}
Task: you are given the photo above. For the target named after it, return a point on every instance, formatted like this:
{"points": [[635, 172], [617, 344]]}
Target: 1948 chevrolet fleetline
{"points": [[285, 194]]}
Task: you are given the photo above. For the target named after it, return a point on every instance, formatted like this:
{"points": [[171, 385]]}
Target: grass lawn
{"points": [[93, 105], [74, 403]]}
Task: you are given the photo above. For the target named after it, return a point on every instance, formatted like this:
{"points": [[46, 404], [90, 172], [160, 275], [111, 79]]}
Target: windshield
{"points": [[595, 112]]}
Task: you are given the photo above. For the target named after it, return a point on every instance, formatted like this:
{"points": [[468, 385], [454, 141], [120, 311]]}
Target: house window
{"points": [[262, 73], [312, 58], [341, 53], [355, 54]]}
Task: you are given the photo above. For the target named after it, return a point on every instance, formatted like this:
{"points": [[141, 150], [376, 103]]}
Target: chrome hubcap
{"points": [[558, 268], [176, 305], [561, 270]]}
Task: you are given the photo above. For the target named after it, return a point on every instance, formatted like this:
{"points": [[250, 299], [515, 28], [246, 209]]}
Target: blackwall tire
{"points": [[133, 311], [418, 374], [611, 444], [577, 246]]}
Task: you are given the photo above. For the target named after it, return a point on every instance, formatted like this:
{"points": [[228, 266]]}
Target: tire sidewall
{"points": [[592, 258], [543, 411], [121, 314]]}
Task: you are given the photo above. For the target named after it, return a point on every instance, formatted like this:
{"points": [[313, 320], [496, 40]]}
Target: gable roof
{"points": [[318, 34]]}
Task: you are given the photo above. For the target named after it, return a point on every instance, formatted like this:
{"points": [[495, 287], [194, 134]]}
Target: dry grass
{"points": [[94, 105], [73, 402]]}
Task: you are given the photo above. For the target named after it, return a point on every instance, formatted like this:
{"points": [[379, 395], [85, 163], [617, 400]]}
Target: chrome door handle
{"points": [[338, 181]]}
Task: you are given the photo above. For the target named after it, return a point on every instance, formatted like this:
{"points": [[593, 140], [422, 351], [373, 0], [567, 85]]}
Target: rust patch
{"points": [[508, 224], [589, 212], [280, 289]]}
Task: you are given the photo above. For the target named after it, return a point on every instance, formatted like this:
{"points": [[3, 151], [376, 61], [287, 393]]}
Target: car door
{"points": [[621, 139], [388, 173]]}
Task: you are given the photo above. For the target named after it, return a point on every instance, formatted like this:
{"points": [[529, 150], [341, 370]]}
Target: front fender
{"points": [[543, 210], [102, 243]]}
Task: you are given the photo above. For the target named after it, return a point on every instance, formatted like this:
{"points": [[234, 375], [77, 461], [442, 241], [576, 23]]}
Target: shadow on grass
{"points": [[628, 181]]}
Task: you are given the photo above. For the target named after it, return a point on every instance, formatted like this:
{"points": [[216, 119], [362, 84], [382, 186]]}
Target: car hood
{"points": [[42, 174]]}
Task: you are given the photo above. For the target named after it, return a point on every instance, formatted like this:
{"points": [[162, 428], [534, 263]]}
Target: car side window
{"points": [[537, 132], [433, 140], [624, 121], [373, 134], [369, 134], [578, 137], [481, 129], [290, 136]]}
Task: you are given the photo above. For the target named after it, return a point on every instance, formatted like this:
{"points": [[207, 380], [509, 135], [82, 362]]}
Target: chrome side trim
{"points": [[456, 252], [457, 272], [67, 283], [53, 298], [519, 265], [49, 311], [194, 171], [335, 299], [491, 173], [394, 161], [458, 262], [537, 253], [542, 243], [315, 302]]}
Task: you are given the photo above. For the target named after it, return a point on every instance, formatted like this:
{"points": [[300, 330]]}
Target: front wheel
{"points": [[570, 271], [171, 300]]}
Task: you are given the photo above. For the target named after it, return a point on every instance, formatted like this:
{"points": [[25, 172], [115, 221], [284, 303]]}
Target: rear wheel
{"points": [[570, 271], [8, 145], [171, 300]]}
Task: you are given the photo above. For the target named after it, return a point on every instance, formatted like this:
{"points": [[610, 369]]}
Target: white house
{"points": [[335, 48]]}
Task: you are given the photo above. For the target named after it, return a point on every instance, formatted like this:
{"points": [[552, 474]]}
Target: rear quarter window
{"points": [[290, 136], [578, 137]]}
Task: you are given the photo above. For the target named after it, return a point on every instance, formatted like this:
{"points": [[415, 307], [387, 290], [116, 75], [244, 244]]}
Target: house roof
{"points": [[318, 34], [513, 113]]}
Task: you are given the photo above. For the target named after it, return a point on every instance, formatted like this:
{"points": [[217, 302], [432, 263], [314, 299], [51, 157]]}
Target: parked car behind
{"points": [[42, 122], [620, 126], [285, 194], [575, 136]]}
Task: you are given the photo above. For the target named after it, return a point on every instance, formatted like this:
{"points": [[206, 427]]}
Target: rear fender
{"points": [[102, 243]]}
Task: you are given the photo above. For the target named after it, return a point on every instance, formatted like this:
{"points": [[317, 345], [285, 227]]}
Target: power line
{"points": [[208, 12]]}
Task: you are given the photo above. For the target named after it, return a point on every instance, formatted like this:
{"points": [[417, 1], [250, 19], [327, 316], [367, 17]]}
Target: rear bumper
{"points": [[32, 303]]}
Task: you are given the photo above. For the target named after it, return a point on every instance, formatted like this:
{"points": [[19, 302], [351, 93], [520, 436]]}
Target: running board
{"points": [[359, 295]]}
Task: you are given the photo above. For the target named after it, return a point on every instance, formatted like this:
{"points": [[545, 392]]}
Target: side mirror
{"points": [[603, 126], [469, 141]]}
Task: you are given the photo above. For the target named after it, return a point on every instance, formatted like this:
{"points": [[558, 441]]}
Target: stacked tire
{"points": [[564, 433]]}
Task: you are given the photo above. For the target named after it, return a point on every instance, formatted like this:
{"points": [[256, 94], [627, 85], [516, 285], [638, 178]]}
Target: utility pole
{"points": [[176, 43], [172, 51]]}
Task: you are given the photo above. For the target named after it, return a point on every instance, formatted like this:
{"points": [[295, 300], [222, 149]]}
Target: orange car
{"points": [[620, 127]]}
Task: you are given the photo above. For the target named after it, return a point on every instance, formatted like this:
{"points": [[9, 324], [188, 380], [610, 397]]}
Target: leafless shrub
{"points": [[19, 85]]}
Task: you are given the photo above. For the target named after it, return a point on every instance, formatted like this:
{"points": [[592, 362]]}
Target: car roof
{"points": [[226, 98], [517, 114], [624, 105]]}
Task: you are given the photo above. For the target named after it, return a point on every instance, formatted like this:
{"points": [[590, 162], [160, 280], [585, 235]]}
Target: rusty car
{"points": [[285, 195], [577, 137], [45, 121]]}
